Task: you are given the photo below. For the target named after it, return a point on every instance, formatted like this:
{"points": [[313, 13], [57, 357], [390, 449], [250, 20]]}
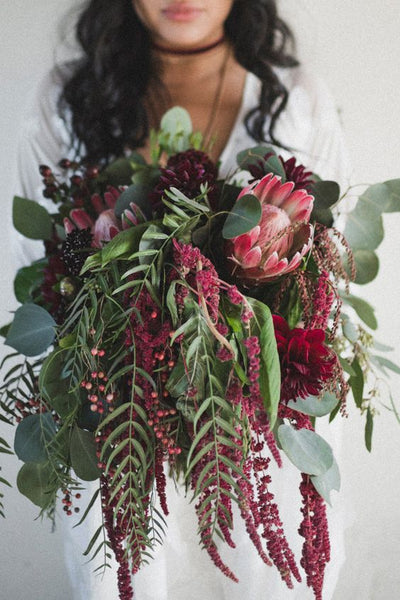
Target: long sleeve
{"points": [[44, 139]]}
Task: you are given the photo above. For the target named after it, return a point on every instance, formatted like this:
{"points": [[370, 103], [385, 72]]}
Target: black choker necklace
{"points": [[164, 50]]}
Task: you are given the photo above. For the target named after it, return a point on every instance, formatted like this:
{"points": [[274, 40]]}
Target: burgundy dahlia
{"points": [[306, 363], [295, 173], [186, 171]]}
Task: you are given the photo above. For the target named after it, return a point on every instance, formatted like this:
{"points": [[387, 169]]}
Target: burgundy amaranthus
{"points": [[314, 529]]}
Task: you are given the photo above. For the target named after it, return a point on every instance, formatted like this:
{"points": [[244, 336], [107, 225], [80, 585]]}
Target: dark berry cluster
{"points": [[75, 249]]}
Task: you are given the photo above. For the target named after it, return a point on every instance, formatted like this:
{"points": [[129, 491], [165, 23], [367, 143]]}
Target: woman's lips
{"points": [[181, 12]]}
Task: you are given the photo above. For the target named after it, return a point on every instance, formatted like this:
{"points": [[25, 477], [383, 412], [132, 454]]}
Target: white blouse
{"points": [[180, 569]]}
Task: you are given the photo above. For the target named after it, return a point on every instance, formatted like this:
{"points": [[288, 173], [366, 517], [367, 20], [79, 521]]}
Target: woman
{"points": [[227, 63]]}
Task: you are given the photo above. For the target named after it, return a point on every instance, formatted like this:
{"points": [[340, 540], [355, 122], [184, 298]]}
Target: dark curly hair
{"points": [[106, 91]]}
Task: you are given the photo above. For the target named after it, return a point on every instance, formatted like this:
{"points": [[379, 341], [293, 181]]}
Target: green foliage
{"points": [[83, 454], [264, 158], [120, 171], [326, 194], [32, 437], [55, 384], [123, 244], [384, 363], [32, 330], [245, 214], [176, 129], [308, 451], [356, 382], [270, 372], [328, 481], [369, 425], [315, 406], [137, 194], [27, 281], [367, 266], [34, 482], [364, 226], [362, 308], [31, 219]]}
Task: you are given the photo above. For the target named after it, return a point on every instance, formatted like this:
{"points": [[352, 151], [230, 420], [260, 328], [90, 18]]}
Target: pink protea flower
{"points": [[105, 228], [282, 238]]}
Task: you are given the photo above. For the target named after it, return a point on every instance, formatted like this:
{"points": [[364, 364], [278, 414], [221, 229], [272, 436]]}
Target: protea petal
{"points": [[252, 258], [68, 225], [97, 203], [81, 219], [111, 196], [243, 243], [273, 221], [280, 192], [105, 228], [298, 205]]}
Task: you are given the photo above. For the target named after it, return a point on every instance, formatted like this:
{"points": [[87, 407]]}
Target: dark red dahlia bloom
{"points": [[187, 171], [306, 363], [301, 178]]}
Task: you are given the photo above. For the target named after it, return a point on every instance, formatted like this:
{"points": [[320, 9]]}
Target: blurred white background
{"points": [[355, 46]]}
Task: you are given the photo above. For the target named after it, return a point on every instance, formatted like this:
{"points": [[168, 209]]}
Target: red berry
{"points": [[64, 163], [45, 171]]}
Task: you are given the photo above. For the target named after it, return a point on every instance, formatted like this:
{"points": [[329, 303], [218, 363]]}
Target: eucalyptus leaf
{"points": [[274, 165], [177, 119], [364, 225], [176, 128], [253, 156], [245, 214], [362, 308], [315, 406], [32, 437], [328, 481], [326, 194], [5, 329], [367, 266], [27, 281], [392, 200], [308, 451], [385, 363], [31, 219], [138, 194], [33, 482], [382, 347], [350, 331], [120, 171], [55, 384], [83, 454], [32, 330]]}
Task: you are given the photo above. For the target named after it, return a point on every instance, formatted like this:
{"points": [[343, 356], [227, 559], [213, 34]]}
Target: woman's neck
{"points": [[188, 69]]}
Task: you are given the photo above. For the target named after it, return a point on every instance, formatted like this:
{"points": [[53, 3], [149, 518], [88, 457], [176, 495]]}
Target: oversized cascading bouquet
{"points": [[183, 323]]}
